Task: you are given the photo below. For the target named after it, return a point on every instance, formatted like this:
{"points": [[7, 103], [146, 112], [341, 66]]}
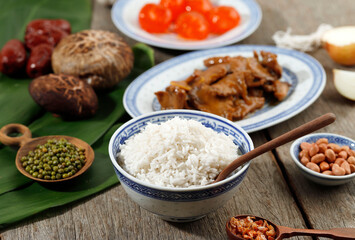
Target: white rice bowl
{"points": [[177, 153]]}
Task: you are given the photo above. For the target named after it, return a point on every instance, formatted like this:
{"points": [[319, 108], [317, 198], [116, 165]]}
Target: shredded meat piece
{"points": [[259, 71], [232, 84], [216, 60], [256, 92], [212, 74], [269, 86], [172, 98], [281, 90], [270, 62], [231, 87], [241, 108], [239, 64], [202, 98]]}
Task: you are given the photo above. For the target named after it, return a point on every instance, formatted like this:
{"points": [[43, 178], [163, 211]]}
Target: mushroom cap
{"points": [[99, 57], [65, 95]]}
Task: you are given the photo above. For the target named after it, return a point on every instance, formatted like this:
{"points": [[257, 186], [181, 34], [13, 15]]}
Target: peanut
{"points": [[346, 167], [339, 161], [343, 154], [345, 148], [327, 158], [313, 150], [322, 147], [304, 153], [351, 160], [328, 172], [352, 168], [304, 160], [324, 166], [313, 166], [318, 158], [338, 171], [350, 153], [305, 145], [335, 147], [330, 154], [322, 140]]}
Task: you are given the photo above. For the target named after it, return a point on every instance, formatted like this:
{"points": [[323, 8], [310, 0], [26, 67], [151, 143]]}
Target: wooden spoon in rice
{"points": [[302, 130]]}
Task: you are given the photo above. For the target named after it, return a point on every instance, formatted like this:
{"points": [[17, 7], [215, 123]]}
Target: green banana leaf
{"points": [[110, 106], [35, 198], [16, 104], [16, 14], [89, 130], [13, 92], [19, 196], [10, 177]]}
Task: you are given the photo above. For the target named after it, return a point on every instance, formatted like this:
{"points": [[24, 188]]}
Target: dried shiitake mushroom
{"points": [[101, 58], [65, 95]]}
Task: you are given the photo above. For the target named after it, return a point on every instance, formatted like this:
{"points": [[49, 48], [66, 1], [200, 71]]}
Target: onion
{"points": [[340, 44], [344, 82]]}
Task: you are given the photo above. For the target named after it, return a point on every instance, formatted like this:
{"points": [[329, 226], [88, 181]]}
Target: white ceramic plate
{"points": [[124, 15], [303, 72]]}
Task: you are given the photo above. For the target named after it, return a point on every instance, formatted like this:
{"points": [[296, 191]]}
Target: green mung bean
{"points": [[54, 160]]}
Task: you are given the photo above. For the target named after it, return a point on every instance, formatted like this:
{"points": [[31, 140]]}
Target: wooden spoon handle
{"points": [[302, 130], [15, 128], [335, 233]]}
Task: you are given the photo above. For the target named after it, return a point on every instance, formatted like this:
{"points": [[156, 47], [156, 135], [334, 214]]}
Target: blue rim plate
{"points": [[305, 74], [124, 15]]}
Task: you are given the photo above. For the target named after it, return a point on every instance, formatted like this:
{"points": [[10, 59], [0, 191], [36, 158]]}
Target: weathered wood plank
{"points": [[325, 207], [111, 215]]}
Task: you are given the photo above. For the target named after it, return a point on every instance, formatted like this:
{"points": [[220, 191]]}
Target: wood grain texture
{"points": [[324, 207], [289, 136], [112, 215], [293, 202]]}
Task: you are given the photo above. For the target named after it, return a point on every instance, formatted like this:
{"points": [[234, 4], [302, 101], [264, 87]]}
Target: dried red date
{"points": [[13, 58], [33, 39], [62, 24], [46, 31], [37, 25], [41, 36], [39, 62]]}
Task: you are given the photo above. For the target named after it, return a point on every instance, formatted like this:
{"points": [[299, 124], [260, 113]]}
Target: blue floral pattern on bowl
{"points": [[180, 204], [180, 196], [214, 122]]}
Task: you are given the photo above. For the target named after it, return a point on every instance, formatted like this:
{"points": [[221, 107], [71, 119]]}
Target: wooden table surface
{"points": [[273, 188]]}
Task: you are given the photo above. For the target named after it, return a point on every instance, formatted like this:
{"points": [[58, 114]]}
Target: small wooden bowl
{"points": [[27, 144]]}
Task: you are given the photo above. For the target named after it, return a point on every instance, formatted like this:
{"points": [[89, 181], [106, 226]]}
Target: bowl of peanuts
{"points": [[325, 158]]}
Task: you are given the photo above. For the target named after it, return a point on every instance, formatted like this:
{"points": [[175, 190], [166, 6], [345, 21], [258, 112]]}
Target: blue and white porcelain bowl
{"points": [[180, 204], [320, 178]]}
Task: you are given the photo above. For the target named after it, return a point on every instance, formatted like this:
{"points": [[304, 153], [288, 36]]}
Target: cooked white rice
{"points": [[177, 153]]}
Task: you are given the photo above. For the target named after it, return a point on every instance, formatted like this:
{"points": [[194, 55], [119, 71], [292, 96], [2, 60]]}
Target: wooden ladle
{"points": [[286, 232], [302, 130], [27, 144]]}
